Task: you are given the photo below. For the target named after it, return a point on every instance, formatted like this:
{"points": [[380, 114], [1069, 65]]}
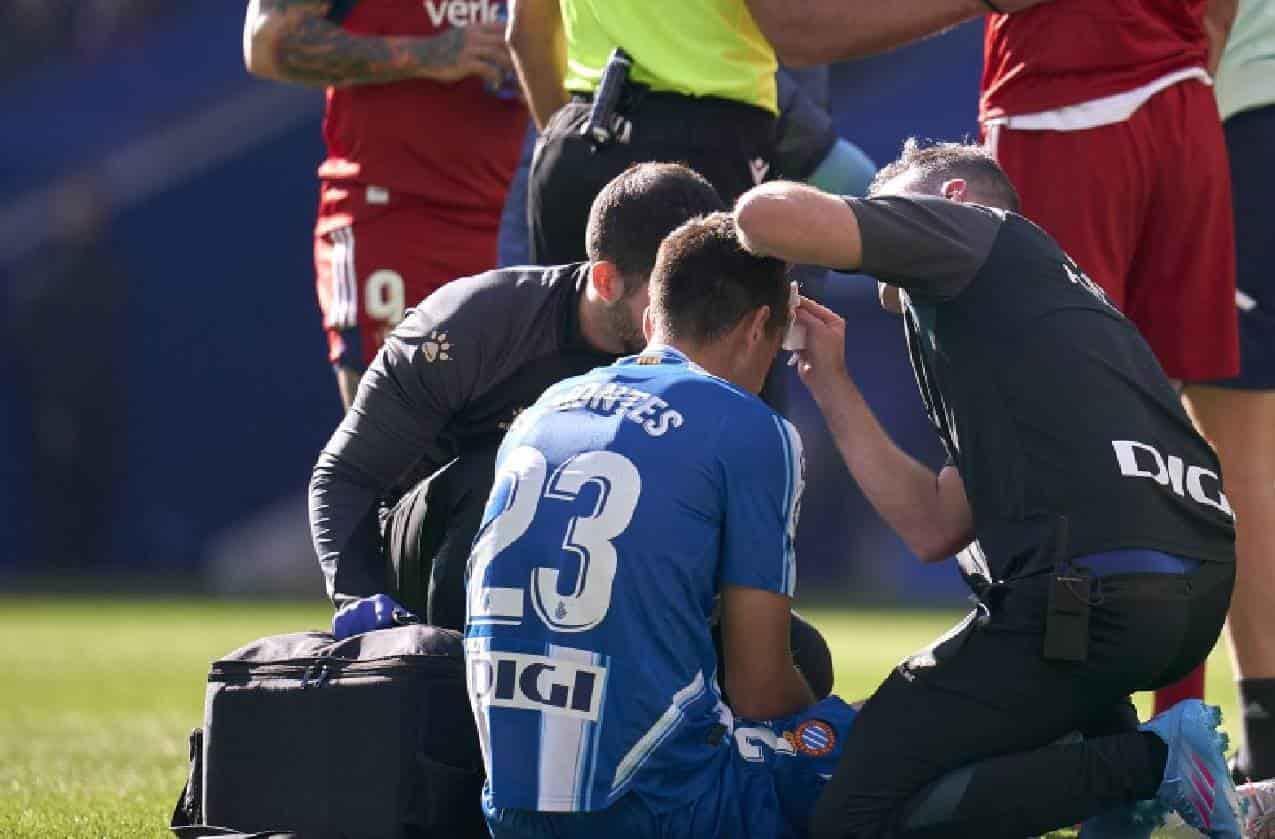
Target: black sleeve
{"points": [[925, 245], [418, 381]]}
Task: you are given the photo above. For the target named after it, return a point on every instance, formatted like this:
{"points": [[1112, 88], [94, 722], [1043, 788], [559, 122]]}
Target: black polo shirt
{"points": [[1047, 399], [449, 379]]}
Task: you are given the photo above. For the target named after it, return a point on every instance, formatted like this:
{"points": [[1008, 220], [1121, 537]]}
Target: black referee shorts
{"points": [[729, 143]]}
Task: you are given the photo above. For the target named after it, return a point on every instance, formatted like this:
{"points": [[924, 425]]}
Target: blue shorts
{"points": [[767, 789], [1250, 136]]}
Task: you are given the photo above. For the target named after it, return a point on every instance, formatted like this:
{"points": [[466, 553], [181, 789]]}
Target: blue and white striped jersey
{"points": [[625, 499]]}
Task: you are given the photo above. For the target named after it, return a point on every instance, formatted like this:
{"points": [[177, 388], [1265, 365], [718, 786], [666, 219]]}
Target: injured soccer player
{"points": [[1089, 517], [628, 503]]}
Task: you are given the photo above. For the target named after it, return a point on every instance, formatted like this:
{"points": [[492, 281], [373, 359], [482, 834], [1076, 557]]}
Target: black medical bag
{"points": [[311, 737]]}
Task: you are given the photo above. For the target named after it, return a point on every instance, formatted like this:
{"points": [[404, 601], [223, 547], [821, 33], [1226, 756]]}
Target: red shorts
{"points": [[1144, 207], [376, 255]]}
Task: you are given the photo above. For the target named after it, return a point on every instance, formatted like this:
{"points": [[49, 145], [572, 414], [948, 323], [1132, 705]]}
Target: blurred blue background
{"points": [[164, 388]]}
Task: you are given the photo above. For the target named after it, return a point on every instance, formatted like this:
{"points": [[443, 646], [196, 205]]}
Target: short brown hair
{"points": [[633, 213], [937, 162], [704, 282]]}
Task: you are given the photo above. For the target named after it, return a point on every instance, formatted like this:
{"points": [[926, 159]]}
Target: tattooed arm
{"points": [[293, 41]]}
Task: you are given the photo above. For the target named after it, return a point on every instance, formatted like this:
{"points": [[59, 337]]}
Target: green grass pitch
{"points": [[97, 696]]}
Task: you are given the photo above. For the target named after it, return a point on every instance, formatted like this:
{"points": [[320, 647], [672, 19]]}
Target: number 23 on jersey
{"points": [[526, 483]]}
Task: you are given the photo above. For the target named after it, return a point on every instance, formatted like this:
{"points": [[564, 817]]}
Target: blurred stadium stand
{"points": [[31, 31], [147, 177]]}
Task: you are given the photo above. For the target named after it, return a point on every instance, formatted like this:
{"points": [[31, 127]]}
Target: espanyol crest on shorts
{"points": [[813, 738]]}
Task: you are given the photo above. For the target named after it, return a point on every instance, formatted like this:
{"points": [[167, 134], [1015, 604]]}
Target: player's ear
{"points": [[757, 328], [648, 325], [955, 189], [607, 281]]}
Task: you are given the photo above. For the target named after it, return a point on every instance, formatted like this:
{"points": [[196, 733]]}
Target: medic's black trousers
{"points": [[986, 703]]}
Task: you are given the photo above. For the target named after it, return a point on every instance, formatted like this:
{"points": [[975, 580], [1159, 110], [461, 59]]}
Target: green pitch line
{"points": [[97, 697]]}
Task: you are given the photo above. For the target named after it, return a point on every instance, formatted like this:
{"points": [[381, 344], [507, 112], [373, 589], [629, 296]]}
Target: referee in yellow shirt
{"points": [[700, 90]]}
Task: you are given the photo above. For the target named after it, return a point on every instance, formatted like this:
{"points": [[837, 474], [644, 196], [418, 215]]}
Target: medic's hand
{"points": [[823, 362], [376, 612]]}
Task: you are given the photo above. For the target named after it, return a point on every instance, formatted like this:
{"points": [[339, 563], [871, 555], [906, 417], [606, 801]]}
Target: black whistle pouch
{"points": [[1067, 613], [605, 126], [1067, 620]]}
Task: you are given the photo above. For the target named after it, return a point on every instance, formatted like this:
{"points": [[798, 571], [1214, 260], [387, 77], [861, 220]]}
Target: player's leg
{"points": [[807, 748], [1181, 282], [1241, 425], [1240, 418], [775, 772], [1181, 286], [337, 287], [347, 382], [1190, 686], [382, 264], [367, 296], [1084, 188], [739, 798]]}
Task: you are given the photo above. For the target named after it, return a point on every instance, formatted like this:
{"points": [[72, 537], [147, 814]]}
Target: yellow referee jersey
{"points": [[692, 47]]}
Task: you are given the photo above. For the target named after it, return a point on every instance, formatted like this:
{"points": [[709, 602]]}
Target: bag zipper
{"points": [[311, 671]]}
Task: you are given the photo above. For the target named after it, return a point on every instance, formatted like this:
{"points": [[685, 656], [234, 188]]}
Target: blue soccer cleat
{"points": [[1197, 784], [1133, 821]]}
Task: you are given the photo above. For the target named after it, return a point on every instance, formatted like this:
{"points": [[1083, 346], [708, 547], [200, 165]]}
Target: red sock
{"points": [[1191, 687]]}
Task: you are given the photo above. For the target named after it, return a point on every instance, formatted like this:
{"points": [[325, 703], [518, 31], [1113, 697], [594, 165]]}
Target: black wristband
{"points": [[989, 4]]}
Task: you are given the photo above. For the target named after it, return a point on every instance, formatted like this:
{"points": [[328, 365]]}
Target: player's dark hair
{"points": [[638, 208], [938, 162], [704, 282]]}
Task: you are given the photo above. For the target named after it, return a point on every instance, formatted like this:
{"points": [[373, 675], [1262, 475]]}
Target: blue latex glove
{"points": [[376, 612]]}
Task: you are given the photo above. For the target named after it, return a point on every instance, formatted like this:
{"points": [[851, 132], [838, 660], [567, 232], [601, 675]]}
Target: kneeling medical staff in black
{"points": [[1089, 515], [421, 436]]}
